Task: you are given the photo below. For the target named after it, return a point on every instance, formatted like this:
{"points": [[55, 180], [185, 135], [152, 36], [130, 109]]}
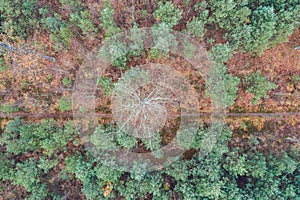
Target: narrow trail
{"points": [[104, 115]]}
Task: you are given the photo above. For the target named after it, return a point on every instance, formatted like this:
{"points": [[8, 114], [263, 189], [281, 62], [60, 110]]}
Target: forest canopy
{"points": [[251, 144]]}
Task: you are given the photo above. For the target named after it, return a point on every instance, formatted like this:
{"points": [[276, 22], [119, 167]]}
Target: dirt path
{"points": [[200, 115]]}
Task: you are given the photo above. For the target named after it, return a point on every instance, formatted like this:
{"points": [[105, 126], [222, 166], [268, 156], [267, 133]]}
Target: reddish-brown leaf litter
{"points": [[34, 85]]}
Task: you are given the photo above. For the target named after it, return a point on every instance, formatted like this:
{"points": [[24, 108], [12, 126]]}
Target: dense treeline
{"points": [[222, 174]]}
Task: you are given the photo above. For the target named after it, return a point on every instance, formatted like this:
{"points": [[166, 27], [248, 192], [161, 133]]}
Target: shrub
{"points": [[126, 140], [120, 62], [59, 31], [164, 41], [5, 166], [66, 81], [103, 138], [231, 89], [19, 18], [222, 174], [115, 52], [109, 137], [73, 3], [189, 49], [153, 143], [263, 28], [222, 88], [16, 138], [106, 84], [27, 174], [167, 14], [229, 14], [107, 21], [220, 53], [178, 170], [185, 138], [141, 188], [259, 86], [269, 24], [3, 65], [20, 138], [46, 164], [65, 103], [92, 174], [137, 37], [235, 164], [9, 108], [62, 38], [83, 20], [196, 27], [253, 26]]}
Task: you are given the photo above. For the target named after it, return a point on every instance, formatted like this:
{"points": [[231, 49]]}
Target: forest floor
{"points": [[35, 86]]}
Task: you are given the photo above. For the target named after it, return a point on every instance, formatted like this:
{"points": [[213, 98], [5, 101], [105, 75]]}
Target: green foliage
{"points": [[65, 103], [164, 40], [256, 165], [229, 14], [59, 30], [106, 84], [20, 138], [178, 170], [259, 86], [126, 140], [120, 62], [221, 174], [115, 52], [236, 164], [196, 27], [221, 87], [212, 170], [47, 138], [168, 14], [9, 108], [262, 29], [19, 18], [27, 174], [189, 49], [5, 166], [220, 53], [295, 78], [255, 26], [185, 138], [109, 137], [73, 3], [107, 21], [62, 38], [266, 176], [66, 81], [83, 20], [46, 164], [219, 79], [231, 88], [107, 174], [3, 65], [137, 37], [92, 178], [103, 138], [151, 183], [154, 142]]}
